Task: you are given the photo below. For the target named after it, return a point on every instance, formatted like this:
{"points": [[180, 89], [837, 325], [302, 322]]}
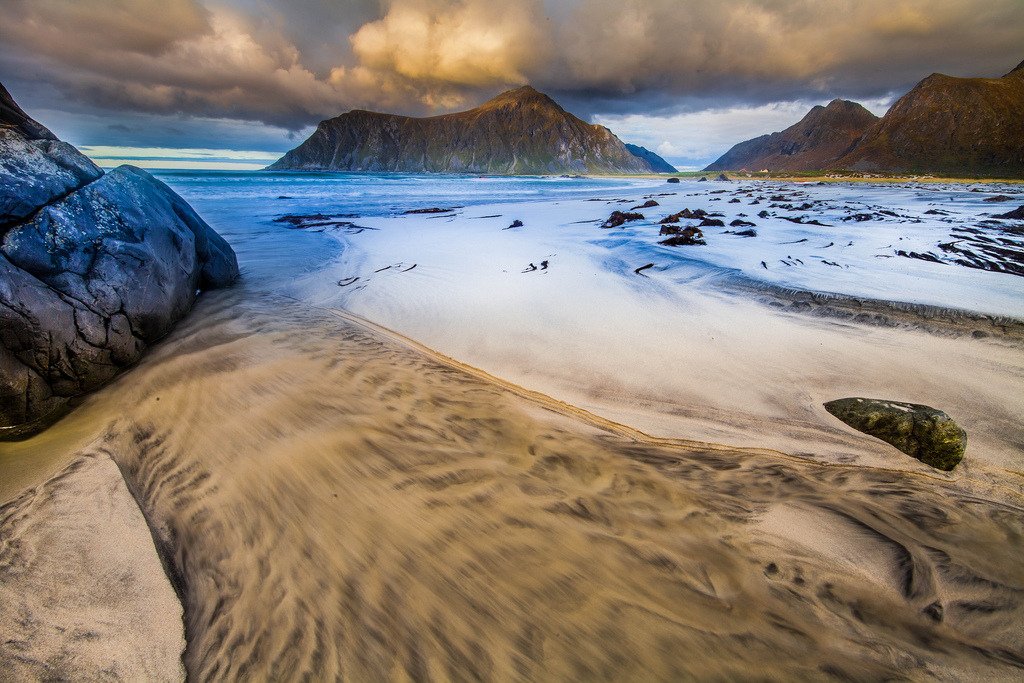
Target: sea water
{"points": [[242, 206], [886, 257]]}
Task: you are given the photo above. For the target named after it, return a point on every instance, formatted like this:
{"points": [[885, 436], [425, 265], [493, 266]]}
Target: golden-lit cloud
{"points": [[463, 43]]}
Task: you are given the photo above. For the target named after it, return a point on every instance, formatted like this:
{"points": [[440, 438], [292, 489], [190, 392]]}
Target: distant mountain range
{"points": [[658, 165], [945, 125], [519, 132], [820, 138]]}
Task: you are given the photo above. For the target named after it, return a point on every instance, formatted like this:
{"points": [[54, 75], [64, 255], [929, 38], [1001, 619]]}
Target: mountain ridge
{"points": [[518, 132], [945, 125], [821, 137], [949, 125]]}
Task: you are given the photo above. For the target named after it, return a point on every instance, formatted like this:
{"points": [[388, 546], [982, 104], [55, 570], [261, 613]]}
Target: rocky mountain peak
{"points": [[519, 97], [13, 116]]}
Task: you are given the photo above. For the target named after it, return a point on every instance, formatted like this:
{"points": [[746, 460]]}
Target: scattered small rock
{"points": [[646, 205], [685, 213], [933, 611], [433, 209], [686, 237], [619, 217], [859, 217], [1015, 214]]}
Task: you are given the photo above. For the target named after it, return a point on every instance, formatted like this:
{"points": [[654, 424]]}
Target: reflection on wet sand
{"points": [[336, 504]]}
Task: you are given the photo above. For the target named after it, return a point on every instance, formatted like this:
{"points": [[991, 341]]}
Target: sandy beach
{"points": [[710, 343], [464, 528], [419, 461]]}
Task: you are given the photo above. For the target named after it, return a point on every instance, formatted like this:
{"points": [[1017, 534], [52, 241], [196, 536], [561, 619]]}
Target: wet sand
{"points": [[335, 502]]}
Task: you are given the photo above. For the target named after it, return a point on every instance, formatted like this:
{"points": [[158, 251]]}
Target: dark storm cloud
{"points": [[290, 64]]}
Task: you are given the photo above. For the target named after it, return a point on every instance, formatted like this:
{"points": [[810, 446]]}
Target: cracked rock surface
{"points": [[94, 267]]}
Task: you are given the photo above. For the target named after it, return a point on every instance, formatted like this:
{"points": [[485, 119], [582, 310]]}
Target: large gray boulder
{"points": [[93, 268]]}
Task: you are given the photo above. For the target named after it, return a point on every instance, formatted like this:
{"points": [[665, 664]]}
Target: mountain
{"points": [[521, 131], [949, 125], [816, 142], [658, 165]]}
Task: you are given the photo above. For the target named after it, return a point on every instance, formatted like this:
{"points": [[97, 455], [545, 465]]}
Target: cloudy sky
{"points": [[234, 83]]}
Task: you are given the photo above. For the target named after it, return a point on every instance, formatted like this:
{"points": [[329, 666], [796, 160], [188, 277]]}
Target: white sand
{"points": [[671, 353]]}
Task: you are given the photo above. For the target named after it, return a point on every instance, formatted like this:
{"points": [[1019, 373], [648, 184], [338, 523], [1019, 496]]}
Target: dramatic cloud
{"points": [[473, 43], [291, 63]]}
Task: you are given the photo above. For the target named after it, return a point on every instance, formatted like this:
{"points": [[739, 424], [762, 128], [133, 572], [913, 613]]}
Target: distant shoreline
{"points": [[735, 176], [739, 176]]}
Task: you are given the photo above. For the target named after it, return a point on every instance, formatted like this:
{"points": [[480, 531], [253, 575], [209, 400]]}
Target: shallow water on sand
{"points": [[335, 502]]}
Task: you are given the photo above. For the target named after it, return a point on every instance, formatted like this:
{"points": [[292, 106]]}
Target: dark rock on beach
{"points": [[432, 209], [93, 268], [619, 217], [920, 431], [36, 167], [695, 214], [685, 237], [673, 180], [1016, 214], [647, 205]]}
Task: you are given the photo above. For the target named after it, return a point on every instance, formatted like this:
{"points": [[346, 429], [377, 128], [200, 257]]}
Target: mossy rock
{"points": [[920, 431]]}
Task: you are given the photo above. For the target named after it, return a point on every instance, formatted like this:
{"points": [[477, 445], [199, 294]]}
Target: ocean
{"points": [[242, 206]]}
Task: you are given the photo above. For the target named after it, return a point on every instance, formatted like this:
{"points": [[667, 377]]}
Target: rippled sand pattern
{"points": [[338, 506]]}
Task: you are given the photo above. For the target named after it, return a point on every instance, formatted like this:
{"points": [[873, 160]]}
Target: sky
{"points": [[235, 83]]}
